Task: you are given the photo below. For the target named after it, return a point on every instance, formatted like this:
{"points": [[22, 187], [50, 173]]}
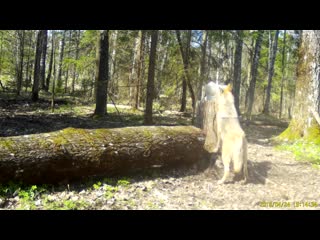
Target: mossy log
{"points": [[74, 153]]}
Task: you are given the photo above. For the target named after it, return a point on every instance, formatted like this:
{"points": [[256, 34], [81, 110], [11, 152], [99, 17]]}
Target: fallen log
{"points": [[73, 153]]}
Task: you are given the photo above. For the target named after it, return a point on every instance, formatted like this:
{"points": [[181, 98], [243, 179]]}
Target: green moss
{"points": [[76, 131], [146, 133], [59, 140], [292, 133], [8, 144], [313, 134], [43, 143]]}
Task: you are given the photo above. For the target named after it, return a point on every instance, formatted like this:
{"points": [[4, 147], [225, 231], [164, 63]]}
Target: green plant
{"points": [[123, 182], [97, 185], [303, 150]]}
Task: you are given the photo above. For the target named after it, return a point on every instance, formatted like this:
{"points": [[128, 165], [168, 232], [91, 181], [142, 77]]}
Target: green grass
{"points": [[303, 151]]}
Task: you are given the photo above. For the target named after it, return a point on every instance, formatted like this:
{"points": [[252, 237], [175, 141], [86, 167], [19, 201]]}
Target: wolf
{"points": [[231, 136]]}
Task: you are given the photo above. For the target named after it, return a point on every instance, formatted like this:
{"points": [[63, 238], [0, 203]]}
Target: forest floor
{"points": [[276, 179]]}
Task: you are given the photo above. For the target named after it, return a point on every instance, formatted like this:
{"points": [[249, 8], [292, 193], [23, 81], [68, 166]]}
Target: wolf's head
{"points": [[227, 96], [226, 102]]}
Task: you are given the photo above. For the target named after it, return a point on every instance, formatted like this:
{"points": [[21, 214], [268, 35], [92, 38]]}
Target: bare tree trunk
{"points": [[237, 70], [20, 70], [113, 62], [43, 59], [133, 73], [185, 58], [103, 75], [203, 63], [249, 72], [77, 57], [50, 64], [254, 71], [36, 78], [59, 80], [210, 124], [270, 72], [140, 59], [28, 73], [150, 84], [283, 68], [54, 74], [95, 82], [163, 60]]}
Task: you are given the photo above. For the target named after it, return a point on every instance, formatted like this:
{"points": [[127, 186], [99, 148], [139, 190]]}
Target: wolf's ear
{"points": [[228, 88]]}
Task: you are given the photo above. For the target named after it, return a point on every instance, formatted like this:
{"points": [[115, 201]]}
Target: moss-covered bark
{"points": [[303, 124], [74, 153]]}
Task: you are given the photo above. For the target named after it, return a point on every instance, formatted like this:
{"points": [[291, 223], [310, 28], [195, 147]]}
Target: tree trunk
{"points": [[66, 81], [271, 71], [185, 53], [133, 73], [163, 59], [140, 56], [237, 70], [184, 95], [36, 74], [250, 57], [43, 59], [71, 154], [77, 57], [50, 64], [68, 66], [28, 73], [150, 84], [307, 94], [283, 68], [103, 78], [113, 61], [20, 70], [254, 71], [209, 124], [203, 63], [59, 80], [54, 74]]}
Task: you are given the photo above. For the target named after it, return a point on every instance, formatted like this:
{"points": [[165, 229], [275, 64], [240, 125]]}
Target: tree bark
{"points": [[307, 93], [43, 59], [273, 53], [59, 80], [203, 63], [237, 70], [36, 78], [209, 124], [20, 70], [28, 63], [50, 63], [283, 68], [54, 74], [78, 35], [140, 56], [133, 73], [71, 154], [150, 84], [113, 62], [185, 53], [103, 75], [254, 71]]}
